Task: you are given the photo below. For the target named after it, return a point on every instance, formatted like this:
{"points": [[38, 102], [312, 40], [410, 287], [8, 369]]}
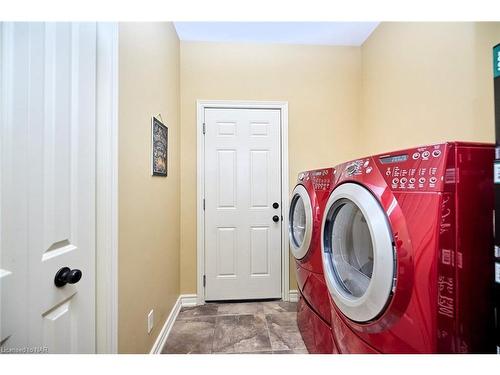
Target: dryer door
{"points": [[358, 253], [300, 222]]}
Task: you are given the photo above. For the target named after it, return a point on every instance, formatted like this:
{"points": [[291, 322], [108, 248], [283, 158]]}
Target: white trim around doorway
{"points": [[200, 183], [107, 189]]}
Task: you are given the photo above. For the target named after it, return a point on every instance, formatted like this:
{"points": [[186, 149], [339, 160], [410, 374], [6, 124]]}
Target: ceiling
{"points": [[318, 33]]}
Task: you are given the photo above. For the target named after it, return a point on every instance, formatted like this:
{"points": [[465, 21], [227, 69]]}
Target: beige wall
{"points": [[149, 209], [410, 83], [425, 83], [321, 85]]}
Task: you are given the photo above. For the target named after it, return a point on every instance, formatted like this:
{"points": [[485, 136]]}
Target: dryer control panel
{"points": [[418, 169]]}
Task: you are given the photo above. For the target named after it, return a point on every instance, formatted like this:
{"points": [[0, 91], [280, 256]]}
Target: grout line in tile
{"points": [[211, 316], [213, 333], [213, 337], [268, 331]]}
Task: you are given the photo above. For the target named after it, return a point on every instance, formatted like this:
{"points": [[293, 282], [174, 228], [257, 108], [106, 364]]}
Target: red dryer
{"points": [[407, 243], [306, 210]]}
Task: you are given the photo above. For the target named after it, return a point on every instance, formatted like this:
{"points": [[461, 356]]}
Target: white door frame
{"points": [[107, 189], [200, 183]]}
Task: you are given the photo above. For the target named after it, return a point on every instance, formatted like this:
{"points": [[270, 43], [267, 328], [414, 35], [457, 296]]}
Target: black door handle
{"points": [[276, 218], [67, 276], [276, 205]]}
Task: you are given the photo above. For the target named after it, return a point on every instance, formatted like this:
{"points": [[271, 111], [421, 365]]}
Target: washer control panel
{"points": [[418, 169], [321, 179]]}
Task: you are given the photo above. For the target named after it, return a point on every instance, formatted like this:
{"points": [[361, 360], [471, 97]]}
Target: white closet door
{"points": [[47, 186]]}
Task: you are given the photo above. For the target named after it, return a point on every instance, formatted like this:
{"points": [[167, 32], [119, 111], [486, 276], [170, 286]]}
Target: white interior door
{"points": [[47, 186], [242, 182]]}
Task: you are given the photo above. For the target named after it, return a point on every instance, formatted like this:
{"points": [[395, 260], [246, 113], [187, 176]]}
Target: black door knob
{"points": [[67, 276], [276, 205], [276, 218]]}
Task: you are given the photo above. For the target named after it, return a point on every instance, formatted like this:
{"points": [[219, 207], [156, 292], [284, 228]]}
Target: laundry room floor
{"points": [[241, 328]]}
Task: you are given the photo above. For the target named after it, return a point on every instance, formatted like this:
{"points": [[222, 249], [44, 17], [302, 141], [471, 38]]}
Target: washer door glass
{"points": [[357, 252], [300, 222], [352, 249]]}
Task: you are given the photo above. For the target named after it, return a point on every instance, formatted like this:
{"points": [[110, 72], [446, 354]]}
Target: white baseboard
{"points": [[293, 295], [165, 330], [184, 300], [189, 300]]}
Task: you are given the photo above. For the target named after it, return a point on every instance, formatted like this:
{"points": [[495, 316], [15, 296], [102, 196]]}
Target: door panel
{"points": [[259, 251], [48, 184], [226, 181], [226, 252], [242, 180], [259, 183]]}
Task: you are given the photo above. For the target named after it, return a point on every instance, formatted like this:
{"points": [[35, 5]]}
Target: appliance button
{"points": [[404, 180], [432, 180], [352, 169], [412, 180], [368, 170], [421, 180], [416, 155], [425, 154], [395, 180], [436, 153], [301, 176]]}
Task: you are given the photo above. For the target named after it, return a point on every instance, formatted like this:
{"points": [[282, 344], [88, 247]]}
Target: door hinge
{"points": [[203, 128], [203, 204], [204, 280]]}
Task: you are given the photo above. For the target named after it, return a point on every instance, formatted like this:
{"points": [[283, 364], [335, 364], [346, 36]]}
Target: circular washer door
{"points": [[300, 223], [357, 251]]}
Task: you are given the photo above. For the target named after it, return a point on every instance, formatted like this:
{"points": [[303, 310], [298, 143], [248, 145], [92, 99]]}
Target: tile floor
{"points": [[246, 327]]}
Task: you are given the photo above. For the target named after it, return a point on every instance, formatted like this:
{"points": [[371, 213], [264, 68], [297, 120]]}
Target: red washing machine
{"points": [[306, 211], [407, 245]]}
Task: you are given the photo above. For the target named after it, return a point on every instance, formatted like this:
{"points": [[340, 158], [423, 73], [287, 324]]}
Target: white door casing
{"points": [[242, 181], [107, 188], [48, 172]]}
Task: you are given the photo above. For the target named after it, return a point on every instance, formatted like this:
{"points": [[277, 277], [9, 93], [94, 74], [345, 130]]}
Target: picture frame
{"points": [[159, 148]]}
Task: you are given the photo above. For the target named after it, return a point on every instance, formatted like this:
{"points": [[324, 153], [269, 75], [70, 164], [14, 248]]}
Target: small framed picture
{"points": [[159, 148]]}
